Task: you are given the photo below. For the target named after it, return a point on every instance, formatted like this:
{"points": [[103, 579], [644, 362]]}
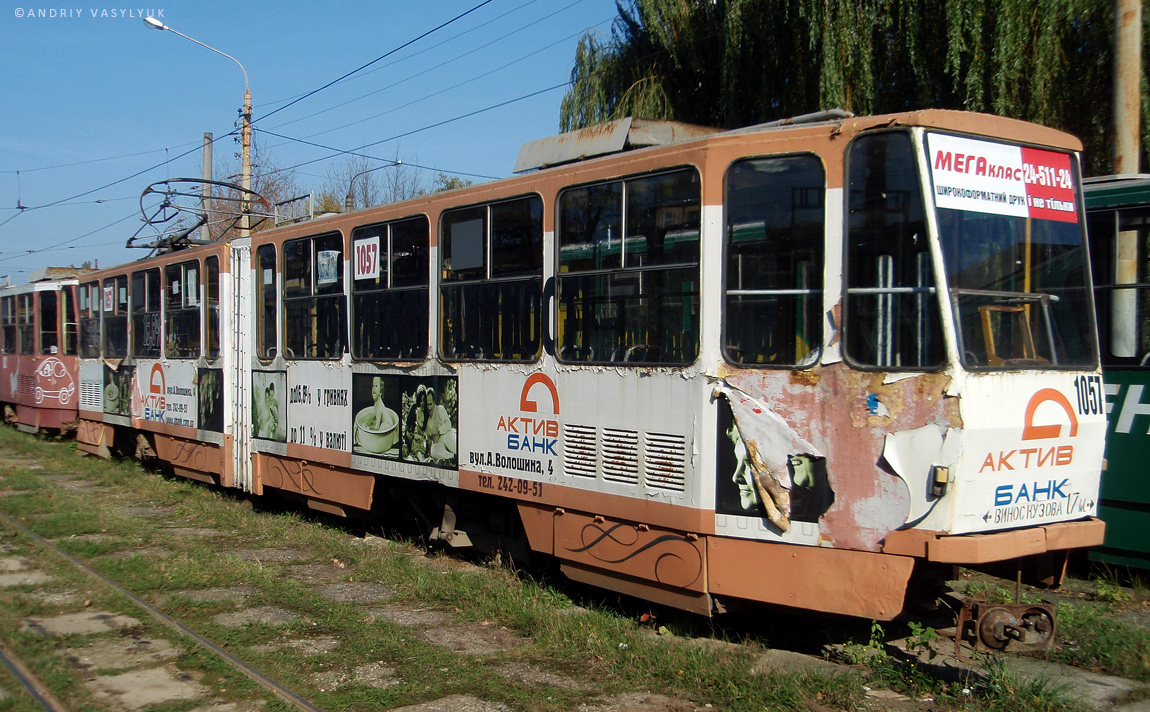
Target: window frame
{"points": [[120, 312], [418, 347], [153, 303], [89, 309], [266, 264], [818, 292], [210, 301], [931, 295], [318, 295], [636, 355], [52, 331], [8, 324], [26, 323], [185, 308], [491, 278]]}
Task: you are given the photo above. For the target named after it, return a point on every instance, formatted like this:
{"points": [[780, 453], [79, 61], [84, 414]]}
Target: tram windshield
{"points": [[1012, 242]]}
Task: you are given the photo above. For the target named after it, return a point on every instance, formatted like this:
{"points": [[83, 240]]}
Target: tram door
{"points": [[239, 330]]}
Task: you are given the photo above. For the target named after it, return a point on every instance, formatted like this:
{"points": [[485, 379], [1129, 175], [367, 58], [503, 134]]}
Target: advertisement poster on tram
{"points": [[409, 418], [1001, 179]]}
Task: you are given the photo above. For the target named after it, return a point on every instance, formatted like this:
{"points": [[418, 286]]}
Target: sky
{"points": [[97, 106]]}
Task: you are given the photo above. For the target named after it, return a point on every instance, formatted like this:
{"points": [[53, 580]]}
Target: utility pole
{"points": [[206, 189], [1127, 144]]}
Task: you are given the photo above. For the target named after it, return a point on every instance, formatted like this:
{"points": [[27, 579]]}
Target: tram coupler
{"points": [[998, 627]]}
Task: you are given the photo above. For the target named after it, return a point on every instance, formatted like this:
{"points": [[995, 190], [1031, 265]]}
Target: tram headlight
{"points": [[939, 477]]}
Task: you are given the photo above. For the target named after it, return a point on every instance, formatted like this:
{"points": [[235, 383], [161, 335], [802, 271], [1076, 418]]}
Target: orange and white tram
{"points": [[38, 346], [807, 364]]}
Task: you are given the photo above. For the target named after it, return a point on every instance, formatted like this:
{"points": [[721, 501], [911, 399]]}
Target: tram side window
{"points": [[774, 261], [146, 298], [892, 313], [212, 325], [492, 281], [315, 306], [266, 295], [628, 282], [390, 292], [116, 317], [49, 316], [182, 315], [25, 323], [71, 328], [8, 324], [1122, 290], [90, 320]]}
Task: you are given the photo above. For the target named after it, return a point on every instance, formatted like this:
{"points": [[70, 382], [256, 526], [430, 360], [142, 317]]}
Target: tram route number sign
{"points": [[366, 257]]}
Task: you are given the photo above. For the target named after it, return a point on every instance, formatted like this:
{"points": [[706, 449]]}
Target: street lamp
{"points": [[347, 201], [245, 130]]}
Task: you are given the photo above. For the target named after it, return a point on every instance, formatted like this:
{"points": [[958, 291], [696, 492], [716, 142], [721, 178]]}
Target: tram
{"points": [[38, 345], [814, 364], [1118, 218]]}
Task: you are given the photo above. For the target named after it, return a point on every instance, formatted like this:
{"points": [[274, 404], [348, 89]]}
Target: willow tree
{"points": [[733, 63]]}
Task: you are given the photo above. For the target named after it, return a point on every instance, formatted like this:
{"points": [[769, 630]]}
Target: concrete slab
{"points": [[643, 702], [10, 564], [261, 615], [532, 675], [355, 592], [315, 573], [407, 615], [307, 646], [377, 674], [122, 652], [474, 638], [1087, 688], [24, 578], [86, 623], [141, 688]]}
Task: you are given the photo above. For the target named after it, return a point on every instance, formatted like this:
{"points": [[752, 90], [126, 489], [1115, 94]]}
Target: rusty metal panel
{"points": [[853, 583], [635, 550]]}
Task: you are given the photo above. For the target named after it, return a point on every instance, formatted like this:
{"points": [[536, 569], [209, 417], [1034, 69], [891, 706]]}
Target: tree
{"points": [[370, 182], [731, 63]]}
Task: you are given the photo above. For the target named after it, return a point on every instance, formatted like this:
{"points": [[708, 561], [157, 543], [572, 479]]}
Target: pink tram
{"points": [[39, 340]]}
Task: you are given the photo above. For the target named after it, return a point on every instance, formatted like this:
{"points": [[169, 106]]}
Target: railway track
{"points": [[40, 692]]}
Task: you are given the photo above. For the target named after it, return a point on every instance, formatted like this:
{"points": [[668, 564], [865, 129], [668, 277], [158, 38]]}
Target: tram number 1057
{"points": [[1090, 398], [367, 258]]}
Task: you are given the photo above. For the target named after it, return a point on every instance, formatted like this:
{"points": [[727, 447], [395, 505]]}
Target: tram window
{"points": [[182, 312], [774, 261], [212, 323], [8, 324], [116, 317], [90, 320], [1122, 291], [266, 295], [492, 281], [892, 314], [146, 298], [390, 290], [628, 282], [49, 326], [71, 328], [25, 323], [315, 323]]}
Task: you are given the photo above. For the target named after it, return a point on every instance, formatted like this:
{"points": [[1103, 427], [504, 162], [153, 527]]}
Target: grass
{"points": [[602, 646]]}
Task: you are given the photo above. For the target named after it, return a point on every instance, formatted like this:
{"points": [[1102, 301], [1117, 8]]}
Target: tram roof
{"points": [[1116, 190]]}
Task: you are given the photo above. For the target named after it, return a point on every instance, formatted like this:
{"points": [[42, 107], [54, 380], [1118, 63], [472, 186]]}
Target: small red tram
{"points": [[38, 349]]}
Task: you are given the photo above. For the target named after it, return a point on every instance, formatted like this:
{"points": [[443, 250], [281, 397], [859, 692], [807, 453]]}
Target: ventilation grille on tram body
{"points": [[90, 393], [621, 455], [25, 385]]}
